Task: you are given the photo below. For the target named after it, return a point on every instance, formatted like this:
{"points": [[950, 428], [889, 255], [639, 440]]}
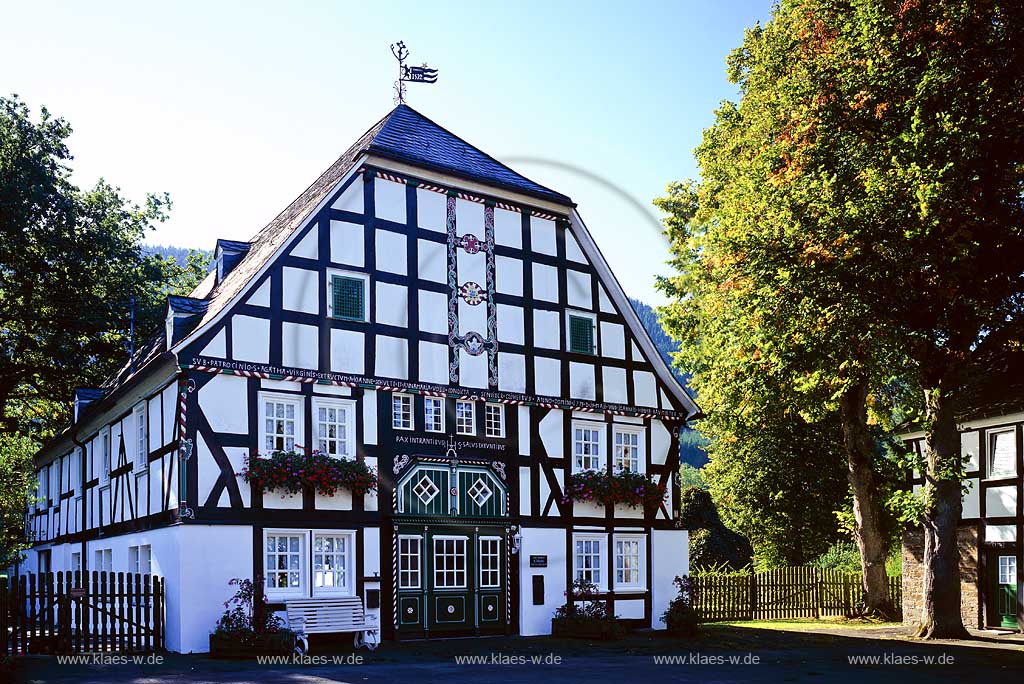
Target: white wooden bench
{"points": [[332, 615]]}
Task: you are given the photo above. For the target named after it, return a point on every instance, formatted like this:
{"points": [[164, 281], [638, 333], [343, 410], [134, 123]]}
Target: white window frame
{"points": [[461, 427], [427, 425], [407, 572], [602, 447], [75, 564], [349, 569], [140, 559], [140, 415], [43, 488], [106, 458], [579, 313], [480, 563], [641, 451], [349, 406], [489, 407], [1007, 571], [465, 560], [297, 401], [602, 555], [405, 399], [992, 436], [303, 569], [641, 570], [76, 475], [356, 275], [103, 560]]}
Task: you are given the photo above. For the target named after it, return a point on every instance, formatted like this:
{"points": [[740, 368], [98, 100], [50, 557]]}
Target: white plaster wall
{"points": [[389, 200], [971, 499], [1000, 533], [534, 620], [670, 557], [211, 556], [224, 391]]}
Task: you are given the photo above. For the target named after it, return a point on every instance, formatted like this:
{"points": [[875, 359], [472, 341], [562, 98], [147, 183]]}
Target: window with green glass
{"points": [[348, 298], [581, 335]]}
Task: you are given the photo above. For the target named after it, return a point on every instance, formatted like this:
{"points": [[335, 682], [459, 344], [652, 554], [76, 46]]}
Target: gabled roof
{"points": [[410, 137], [403, 135]]}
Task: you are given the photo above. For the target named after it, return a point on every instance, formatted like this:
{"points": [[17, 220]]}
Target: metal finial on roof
{"points": [[408, 74]]}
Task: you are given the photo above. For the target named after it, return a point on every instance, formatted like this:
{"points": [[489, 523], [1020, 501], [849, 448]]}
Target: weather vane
{"points": [[409, 74]]}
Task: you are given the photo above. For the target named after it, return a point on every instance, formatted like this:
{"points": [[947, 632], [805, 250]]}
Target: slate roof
{"points": [[410, 137]]}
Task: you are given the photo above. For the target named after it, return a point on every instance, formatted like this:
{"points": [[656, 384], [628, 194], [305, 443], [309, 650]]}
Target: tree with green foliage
{"points": [[712, 544], [17, 486], [71, 261], [861, 216]]}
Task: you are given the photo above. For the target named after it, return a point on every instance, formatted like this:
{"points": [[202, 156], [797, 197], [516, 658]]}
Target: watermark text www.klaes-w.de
{"points": [[305, 659], [499, 658], [898, 659], [101, 658], [697, 658]]}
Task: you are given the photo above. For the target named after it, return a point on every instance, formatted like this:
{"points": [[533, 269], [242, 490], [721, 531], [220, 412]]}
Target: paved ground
{"points": [[720, 654]]}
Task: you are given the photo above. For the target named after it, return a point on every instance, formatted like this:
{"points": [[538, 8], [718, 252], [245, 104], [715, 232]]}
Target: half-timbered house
{"points": [[425, 309]]}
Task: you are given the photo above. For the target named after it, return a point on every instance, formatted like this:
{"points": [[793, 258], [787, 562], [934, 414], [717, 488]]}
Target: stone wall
{"points": [[913, 572]]}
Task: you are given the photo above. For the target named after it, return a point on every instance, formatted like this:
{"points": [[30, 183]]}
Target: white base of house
{"points": [[198, 562]]}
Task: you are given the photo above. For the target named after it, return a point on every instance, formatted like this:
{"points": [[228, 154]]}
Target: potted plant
{"points": [[624, 487], [681, 617], [292, 472], [247, 628], [589, 620]]}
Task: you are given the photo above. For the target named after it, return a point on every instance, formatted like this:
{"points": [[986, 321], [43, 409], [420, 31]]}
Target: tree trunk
{"points": [[867, 508], [940, 613]]}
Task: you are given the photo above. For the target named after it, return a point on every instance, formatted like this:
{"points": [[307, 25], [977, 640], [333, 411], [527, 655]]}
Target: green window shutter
{"points": [[581, 335], [348, 298]]}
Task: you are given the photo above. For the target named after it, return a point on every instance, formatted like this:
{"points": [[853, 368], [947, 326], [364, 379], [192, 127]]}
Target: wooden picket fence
{"points": [[62, 612], [783, 594]]}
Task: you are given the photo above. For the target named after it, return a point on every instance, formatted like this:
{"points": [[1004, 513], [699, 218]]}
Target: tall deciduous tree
{"points": [[860, 214], [70, 263]]}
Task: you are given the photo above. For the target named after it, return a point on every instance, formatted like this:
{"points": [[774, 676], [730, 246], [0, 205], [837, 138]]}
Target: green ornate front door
{"points": [[452, 579], [451, 558]]}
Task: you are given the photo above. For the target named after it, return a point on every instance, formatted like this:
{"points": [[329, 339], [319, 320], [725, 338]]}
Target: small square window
{"points": [[629, 450], [465, 418], [433, 414], [581, 335], [588, 446], [348, 297], [494, 420], [401, 412]]}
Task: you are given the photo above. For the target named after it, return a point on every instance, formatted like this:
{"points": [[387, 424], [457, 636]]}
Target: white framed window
{"points": [[494, 420], [628, 449], [410, 561], [629, 555], [334, 426], [588, 445], [1008, 570], [103, 560], [333, 563], [284, 566], [1002, 453], [141, 436], [401, 411], [280, 422], [76, 471], [43, 488], [348, 295], [465, 417], [140, 559], [490, 562], [450, 562], [588, 557], [76, 561], [433, 414], [104, 455]]}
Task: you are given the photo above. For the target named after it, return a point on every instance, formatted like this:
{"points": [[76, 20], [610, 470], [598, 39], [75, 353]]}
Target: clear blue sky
{"points": [[235, 107]]}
